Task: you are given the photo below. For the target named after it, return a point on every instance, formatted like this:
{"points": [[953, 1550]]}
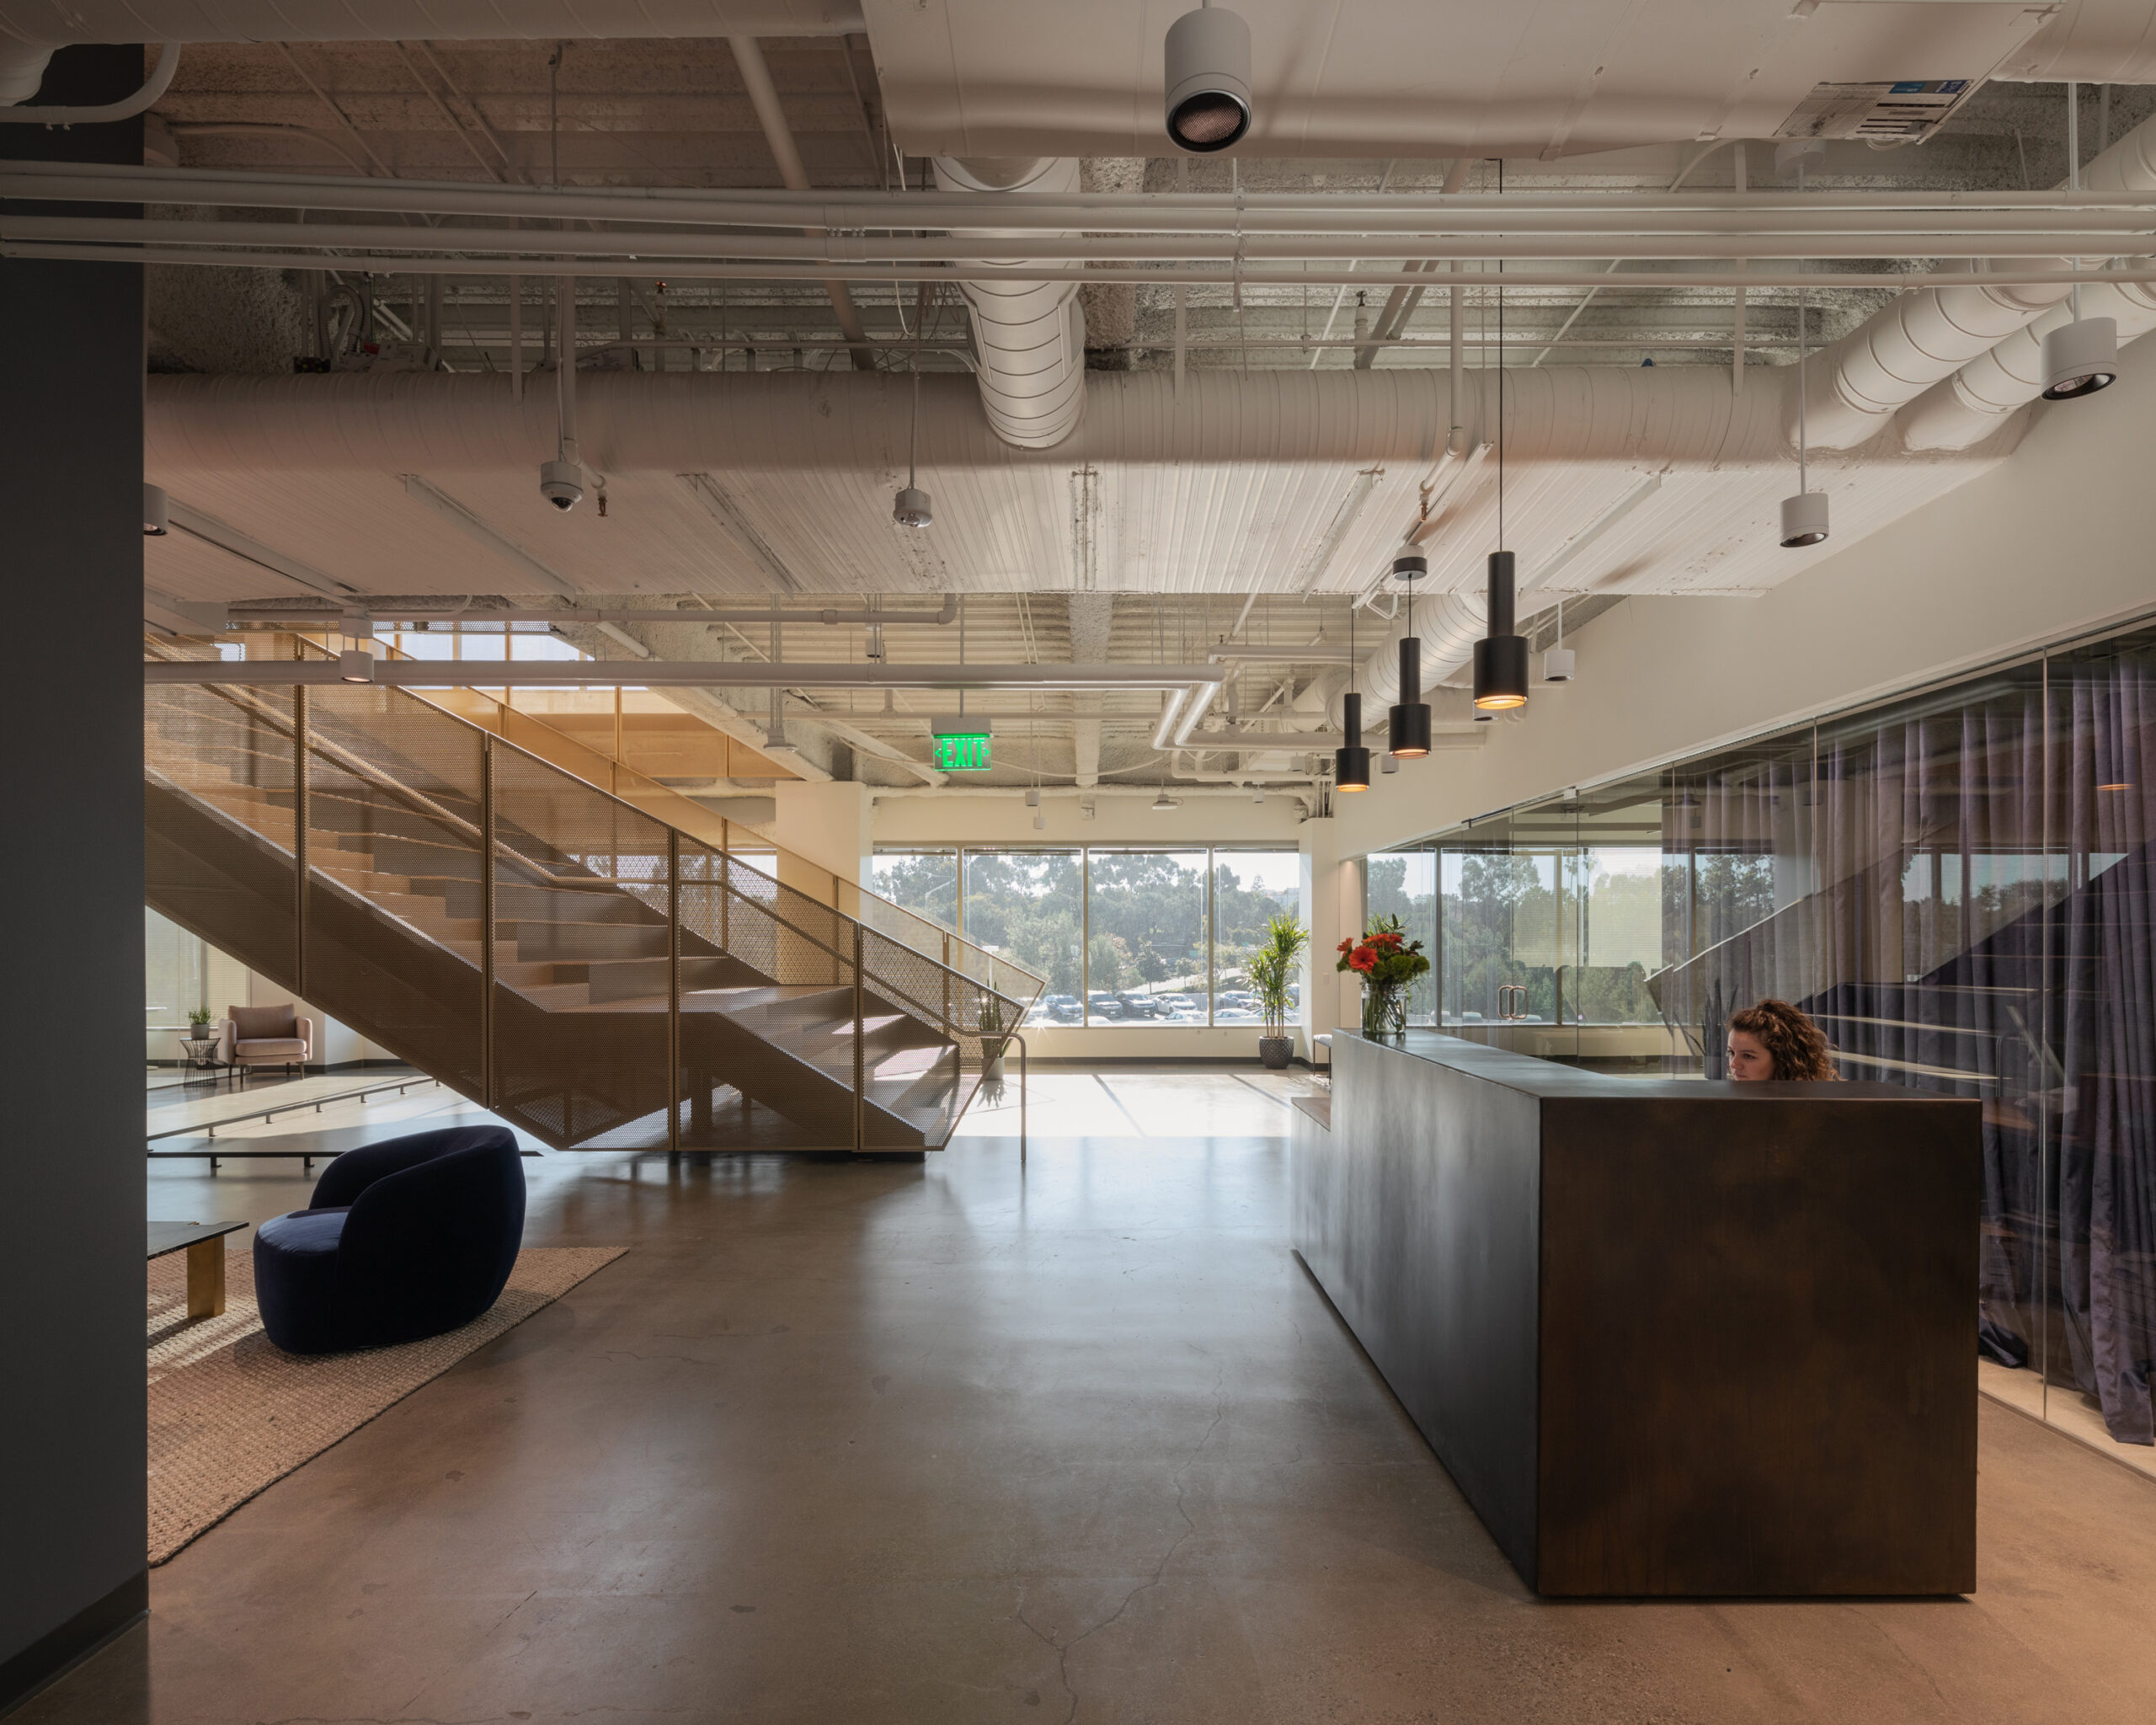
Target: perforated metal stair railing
{"points": [[601, 978]]}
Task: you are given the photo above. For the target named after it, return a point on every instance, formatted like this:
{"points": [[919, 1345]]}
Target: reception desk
{"points": [[1669, 1337]]}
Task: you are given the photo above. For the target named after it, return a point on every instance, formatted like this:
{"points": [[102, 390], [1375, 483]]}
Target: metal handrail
{"points": [[426, 805]]}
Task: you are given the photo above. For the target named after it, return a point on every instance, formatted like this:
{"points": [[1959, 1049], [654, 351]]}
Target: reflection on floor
{"points": [[965, 1440], [1143, 1102], [2062, 1406]]}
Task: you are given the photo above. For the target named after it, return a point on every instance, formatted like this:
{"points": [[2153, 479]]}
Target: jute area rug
{"points": [[231, 1415]]}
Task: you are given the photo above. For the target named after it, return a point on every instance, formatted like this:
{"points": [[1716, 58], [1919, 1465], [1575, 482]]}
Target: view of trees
{"points": [[1147, 960]]}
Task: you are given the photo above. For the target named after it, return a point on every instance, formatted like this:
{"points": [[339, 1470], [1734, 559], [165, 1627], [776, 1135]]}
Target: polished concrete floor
{"points": [[961, 1440]]}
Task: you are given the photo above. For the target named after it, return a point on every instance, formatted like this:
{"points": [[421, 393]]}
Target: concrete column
{"points": [[72, 1499]]}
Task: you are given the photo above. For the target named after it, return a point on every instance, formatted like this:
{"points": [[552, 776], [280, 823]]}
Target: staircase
{"points": [[598, 978]]}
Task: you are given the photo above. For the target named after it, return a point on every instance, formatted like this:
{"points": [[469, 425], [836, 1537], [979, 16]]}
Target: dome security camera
{"points": [[562, 484], [911, 509], [1207, 80]]}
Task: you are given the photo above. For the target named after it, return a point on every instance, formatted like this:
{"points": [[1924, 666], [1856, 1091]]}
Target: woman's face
{"points": [[1749, 1059]]}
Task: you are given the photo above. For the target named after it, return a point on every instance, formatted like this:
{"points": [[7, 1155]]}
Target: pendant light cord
{"points": [[1803, 341], [913, 430], [1500, 377]]}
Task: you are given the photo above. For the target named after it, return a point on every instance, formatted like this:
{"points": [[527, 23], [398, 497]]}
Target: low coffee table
{"points": [[204, 1243]]}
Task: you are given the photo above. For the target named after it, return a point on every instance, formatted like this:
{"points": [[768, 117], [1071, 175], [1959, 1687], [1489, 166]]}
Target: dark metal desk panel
{"points": [[1670, 1338]]}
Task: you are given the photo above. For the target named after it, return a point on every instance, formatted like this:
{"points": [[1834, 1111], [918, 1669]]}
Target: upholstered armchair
{"points": [[402, 1240], [264, 1036]]}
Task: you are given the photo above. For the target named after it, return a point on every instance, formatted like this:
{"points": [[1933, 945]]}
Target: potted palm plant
{"points": [[1273, 971], [994, 1039]]}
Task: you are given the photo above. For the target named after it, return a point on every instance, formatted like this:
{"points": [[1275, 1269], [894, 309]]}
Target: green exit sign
{"points": [[961, 751]]}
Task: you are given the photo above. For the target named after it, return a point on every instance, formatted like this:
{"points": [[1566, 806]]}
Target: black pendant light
{"points": [[1500, 655], [1351, 760], [1410, 719]]}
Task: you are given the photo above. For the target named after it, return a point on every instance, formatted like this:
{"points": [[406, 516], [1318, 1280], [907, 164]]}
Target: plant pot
{"points": [[1276, 1051], [991, 1068]]}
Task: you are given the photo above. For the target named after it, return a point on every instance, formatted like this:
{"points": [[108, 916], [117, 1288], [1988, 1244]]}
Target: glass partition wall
{"points": [[1957, 886], [1133, 935]]}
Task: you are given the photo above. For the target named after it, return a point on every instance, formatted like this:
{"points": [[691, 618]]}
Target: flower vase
{"points": [[1385, 1009]]}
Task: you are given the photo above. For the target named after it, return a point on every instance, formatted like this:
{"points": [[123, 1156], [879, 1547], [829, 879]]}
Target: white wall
{"points": [[2054, 542]]}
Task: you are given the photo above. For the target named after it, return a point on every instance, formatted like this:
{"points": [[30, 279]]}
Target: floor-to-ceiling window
{"points": [[1130, 936], [1249, 889], [923, 882], [1029, 907], [1958, 887]]}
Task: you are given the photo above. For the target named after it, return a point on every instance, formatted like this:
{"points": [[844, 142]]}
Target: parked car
{"points": [[1140, 1006], [1061, 1008], [1181, 1006], [1106, 1006]]}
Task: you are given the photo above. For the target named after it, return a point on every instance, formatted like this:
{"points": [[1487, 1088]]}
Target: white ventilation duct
{"points": [[1975, 398], [1029, 337], [1983, 336]]}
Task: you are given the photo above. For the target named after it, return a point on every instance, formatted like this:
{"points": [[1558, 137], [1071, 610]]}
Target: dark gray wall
{"points": [[72, 1437]]}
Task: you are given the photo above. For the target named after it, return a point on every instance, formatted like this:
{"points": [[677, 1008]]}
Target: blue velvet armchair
{"points": [[402, 1240]]}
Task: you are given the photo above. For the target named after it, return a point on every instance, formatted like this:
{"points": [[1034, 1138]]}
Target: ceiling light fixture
{"points": [[157, 512], [1500, 655], [1351, 760], [2082, 356], [1804, 517], [1408, 723], [910, 507], [1207, 80], [1557, 662], [1164, 801]]}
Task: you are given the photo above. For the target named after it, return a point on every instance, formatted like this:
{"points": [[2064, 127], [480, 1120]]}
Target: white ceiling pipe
{"points": [[239, 614], [53, 24], [120, 243], [1734, 214], [697, 672], [775, 422], [1029, 337], [1018, 313], [1935, 334]]}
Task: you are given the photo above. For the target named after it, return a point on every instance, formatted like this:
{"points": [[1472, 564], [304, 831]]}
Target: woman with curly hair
{"points": [[1772, 1039]]}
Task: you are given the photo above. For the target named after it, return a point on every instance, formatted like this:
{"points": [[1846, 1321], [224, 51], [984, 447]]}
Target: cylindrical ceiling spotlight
{"points": [[157, 512], [1408, 724], [1500, 655], [1389, 764], [911, 508], [2081, 358], [1351, 760], [1804, 519], [1207, 80]]}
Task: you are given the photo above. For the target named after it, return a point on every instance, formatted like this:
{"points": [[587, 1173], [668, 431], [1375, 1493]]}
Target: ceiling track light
{"points": [[1804, 517], [355, 665], [2082, 356], [157, 512], [1408, 723], [1207, 80], [1557, 662]]}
